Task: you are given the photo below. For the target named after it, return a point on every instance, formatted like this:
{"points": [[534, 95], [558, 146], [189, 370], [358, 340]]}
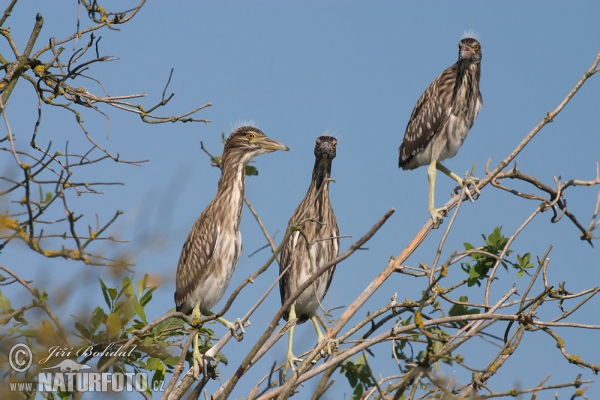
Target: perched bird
{"points": [[315, 242], [442, 118], [213, 246]]}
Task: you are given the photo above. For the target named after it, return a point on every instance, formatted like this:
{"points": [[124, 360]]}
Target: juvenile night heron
{"points": [[213, 246], [442, 118], [314, 243]]}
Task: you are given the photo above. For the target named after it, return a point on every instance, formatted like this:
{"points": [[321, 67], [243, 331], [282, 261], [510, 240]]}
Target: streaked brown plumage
{"points": [[314, 244], [213, 246], [442, 118]]}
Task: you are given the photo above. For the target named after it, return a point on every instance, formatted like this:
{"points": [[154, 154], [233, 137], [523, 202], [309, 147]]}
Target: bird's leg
{"points": [[436, 214], [233, 327], [197, 357], [290, 359], [466, 182], [196, 314], [331, 344]]}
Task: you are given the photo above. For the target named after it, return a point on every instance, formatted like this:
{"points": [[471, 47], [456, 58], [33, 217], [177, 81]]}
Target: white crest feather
{"points": [[470, 34], [241, 123], [329, 132]]}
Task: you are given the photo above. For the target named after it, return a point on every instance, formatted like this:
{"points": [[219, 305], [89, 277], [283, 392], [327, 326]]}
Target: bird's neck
{"points": [[468, 70], [230, 192], [320, 178], [467, 77]]}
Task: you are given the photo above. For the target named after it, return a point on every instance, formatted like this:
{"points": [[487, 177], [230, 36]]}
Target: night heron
{"points": [[213, 246], [314, 242], [442, 118]]}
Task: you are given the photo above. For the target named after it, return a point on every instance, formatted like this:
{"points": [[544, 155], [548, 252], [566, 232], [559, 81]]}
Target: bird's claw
{"points": [[437, 215], [289, 363], [201, 363], [196, 317], [234, 326], [470, 181], [331, 345]]}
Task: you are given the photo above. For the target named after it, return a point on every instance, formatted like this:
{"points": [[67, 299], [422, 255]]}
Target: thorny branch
{"points": [[556, 198], [50, 176], [62, 79]]}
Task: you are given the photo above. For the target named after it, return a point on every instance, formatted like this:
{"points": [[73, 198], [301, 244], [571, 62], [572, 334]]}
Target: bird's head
{"points": [[469, 50], [325, 148], [252, 141]]}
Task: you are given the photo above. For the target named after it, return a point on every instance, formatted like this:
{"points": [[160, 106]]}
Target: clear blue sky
{"points": [[355, 70]]}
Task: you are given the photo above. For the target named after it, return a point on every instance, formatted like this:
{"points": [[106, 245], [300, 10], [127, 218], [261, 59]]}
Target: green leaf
{"points": [[96, 319], [139, 310], [82, 329], [216, 161], [5, 304], [105, 294], [172, 361], [358, 392], [142, 284], [158, 378], [461, 309], [112, 293], [147, 297], [113, 325], [48, 198], [352, 379], [220, 356], [251, 170], [127, 287], [154, 364]]}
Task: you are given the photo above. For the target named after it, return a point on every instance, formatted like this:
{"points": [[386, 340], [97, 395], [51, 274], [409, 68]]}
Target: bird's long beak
{"points": [[270, 144]]}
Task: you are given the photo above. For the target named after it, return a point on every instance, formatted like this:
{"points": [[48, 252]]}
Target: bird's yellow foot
{"points": [[201, 362], [437, 215], [196, 317], [234, 327], [330, 346], [290, 359], [471, 181]]}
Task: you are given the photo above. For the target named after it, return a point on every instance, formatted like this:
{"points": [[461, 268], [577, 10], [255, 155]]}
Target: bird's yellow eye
{"points": [[318, 142], [334, 145], [250, 135], [476, 47]]}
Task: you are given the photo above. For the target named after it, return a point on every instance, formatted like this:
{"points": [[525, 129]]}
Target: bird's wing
{"points": [[429, 115], [196, 255], [285, 260], [335, 245]]}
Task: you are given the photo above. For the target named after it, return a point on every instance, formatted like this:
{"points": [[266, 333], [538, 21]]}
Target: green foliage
{"points": [[4, 304], [523, 264], [400, 345], [460, 309], [482, 263], [47, 198], [123, 317], [251, 170], [485, 257], [359, 375]]}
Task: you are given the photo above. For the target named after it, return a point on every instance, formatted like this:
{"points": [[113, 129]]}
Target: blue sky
{"points": [[355, 70]]}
